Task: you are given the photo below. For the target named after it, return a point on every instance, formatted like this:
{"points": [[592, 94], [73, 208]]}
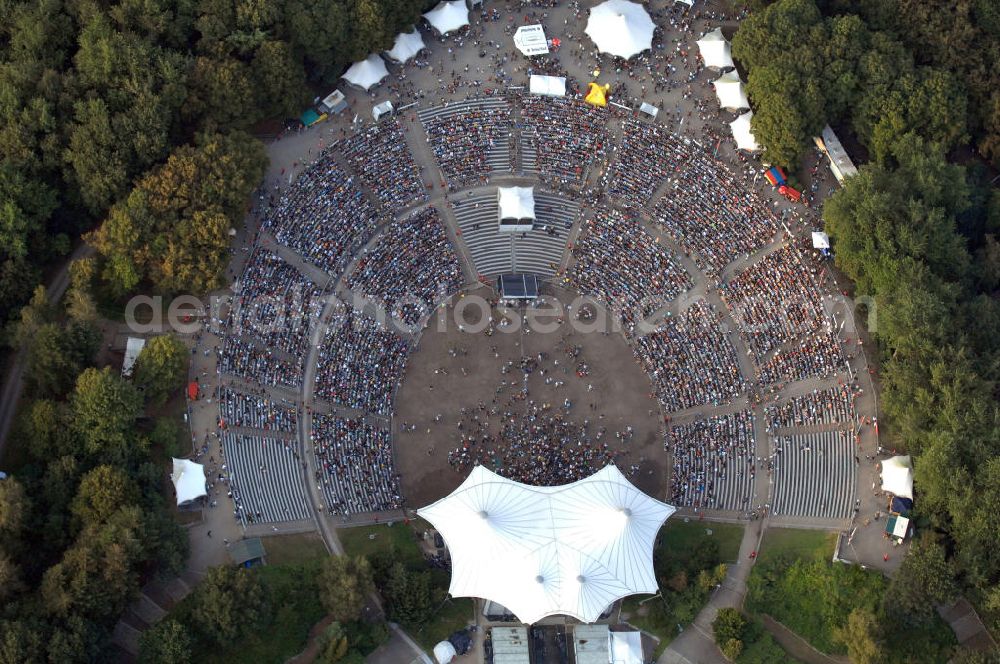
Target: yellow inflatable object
{"points": [[597, 94]]}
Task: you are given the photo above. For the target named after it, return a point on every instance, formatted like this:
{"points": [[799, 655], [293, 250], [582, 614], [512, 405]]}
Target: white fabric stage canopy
{"points": [[621, 28], [553, 86], [742, 134], [189, 480], [897, 476], [715, 50], [540, 551], [530, 40], [516, 202], [448, 16], [730, 91], [407, 45], [366, 73]]}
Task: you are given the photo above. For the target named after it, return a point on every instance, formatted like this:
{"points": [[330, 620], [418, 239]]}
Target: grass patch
{"points": [[796, 543], [680, 537], [453, 615], [294, 549], [400, 540]]}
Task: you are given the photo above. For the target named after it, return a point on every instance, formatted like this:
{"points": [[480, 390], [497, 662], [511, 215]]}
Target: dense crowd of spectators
{"points": [[410, 269], [275, 303], [360, 364], [713, 461], [463, 139], [566, 136], [714, 216], [323, 216], [691, 360], [618, 262], [834, 405], [380, 156], [355, 468], [773, 301], [818, 354], [252, 411], [256, 363]]}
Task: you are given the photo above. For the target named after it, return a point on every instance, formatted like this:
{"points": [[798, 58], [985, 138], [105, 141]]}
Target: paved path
{"points": [[13, 381]]}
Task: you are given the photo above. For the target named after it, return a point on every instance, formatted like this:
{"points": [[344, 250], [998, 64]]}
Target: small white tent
{"points": [[897, 476], [133, 348], [715, 50], [189, 480], [553, 86], [366, 73], [729, 89], [820, 240], [407, 45], [741, 132], [648, 109], [621, 28], [516, 203], [448, 16], [444, 652], [378, 110], [530, 40]]}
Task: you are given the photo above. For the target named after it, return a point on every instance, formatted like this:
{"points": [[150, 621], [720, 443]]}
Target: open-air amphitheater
{"points": [[353, 384], [740, 325]]}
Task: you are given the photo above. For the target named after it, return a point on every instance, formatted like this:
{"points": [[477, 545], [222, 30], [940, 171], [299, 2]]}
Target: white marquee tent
{"points": [[742, 134], [407, 45], [189, 480], [820, 240], [448, 16], [530, 40], [133, 348], [621, 28], [444, 652], [540, 551], [715, 50], [553, 86], [366, 73], [516, 202], [730, 91], [897, 476]]}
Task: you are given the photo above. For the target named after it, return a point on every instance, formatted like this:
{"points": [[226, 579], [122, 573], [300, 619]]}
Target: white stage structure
{"points": [[531, 40], [741, 132], [897, 476], [820, 240], [366, 73], [189, 480], [730, 91], [553, 86], [448, 16], [715, 50], [384, 108], [516, 208], [407, 45], [564, 550], [621, 28]]}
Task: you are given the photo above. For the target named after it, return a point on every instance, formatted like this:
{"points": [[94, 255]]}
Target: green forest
{"points": [[109, 109], [128, 124], [917, 85]]}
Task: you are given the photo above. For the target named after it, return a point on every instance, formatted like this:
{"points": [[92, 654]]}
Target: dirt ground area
{"points": [[483, 372]]}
